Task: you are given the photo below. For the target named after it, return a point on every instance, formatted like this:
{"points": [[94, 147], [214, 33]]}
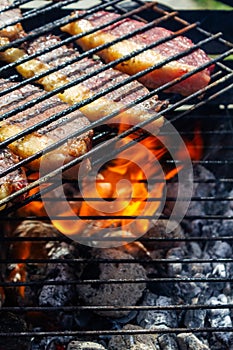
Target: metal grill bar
{"points": [[85, 129], [114, 261], [118, 308], [50, 27], [15, 5], [155, 330], [117, 281], [92, 51], [84, 102], [129, 217], [35, 12], [122, 239], [201, 30], [222, 79]]}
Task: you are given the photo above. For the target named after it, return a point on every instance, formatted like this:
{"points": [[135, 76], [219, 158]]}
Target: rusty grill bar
{"points": [[221, 84]]}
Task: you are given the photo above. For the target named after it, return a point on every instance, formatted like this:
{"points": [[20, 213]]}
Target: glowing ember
{"points": [[125, 188]]}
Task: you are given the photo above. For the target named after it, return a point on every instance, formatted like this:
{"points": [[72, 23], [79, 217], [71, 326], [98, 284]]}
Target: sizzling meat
{"points": [[107, 78], [48, 135], [98, 108], [15, 180], [11, 32], [148, 58]]}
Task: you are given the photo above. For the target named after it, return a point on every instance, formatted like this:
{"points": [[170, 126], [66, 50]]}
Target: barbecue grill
{"points": [[95, 324]]}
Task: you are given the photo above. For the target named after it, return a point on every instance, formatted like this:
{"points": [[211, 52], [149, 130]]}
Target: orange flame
{"points": [[134, 197]]}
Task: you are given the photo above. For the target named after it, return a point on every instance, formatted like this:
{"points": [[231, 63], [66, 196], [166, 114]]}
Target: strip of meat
{"points": [[46, 136], [14, 31], [15, 180], [146, 59], [100, 107]]}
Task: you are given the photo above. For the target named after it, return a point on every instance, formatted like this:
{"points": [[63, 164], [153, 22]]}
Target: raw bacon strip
{"points": [[146, 59]]}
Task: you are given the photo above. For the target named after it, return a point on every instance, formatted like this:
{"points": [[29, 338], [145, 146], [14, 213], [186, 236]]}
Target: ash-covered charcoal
{"points": [[219, 318], [177, 253], [188, 341], [133, 341], [195, 318], [158, 229], [59, 295], [204, 186], [150, 318], [84, 345], [112, 294], [10, 323], [220, 250], [167, 341], [226, 227], [50, 343]]}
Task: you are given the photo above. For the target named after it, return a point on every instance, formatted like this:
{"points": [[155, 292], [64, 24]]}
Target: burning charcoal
{"points": [[27, 249], [84, 345], [201, 189], [151, 318], [133, 341], [10, 323], [220, 318], [59, 295], [158, 230], [113, 294], [188, 341]]}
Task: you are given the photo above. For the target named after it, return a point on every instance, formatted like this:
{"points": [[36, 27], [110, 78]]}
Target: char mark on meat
{"points": [[13, 181], [148, 58], [107, 78], [14, 31], [46, 136]]}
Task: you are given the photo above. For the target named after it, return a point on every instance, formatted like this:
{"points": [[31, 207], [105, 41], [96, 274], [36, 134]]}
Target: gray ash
{"points": [[187, 252]]}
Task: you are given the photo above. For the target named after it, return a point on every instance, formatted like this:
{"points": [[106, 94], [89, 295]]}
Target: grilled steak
{"points": [[14, 31], [39, 140], [108, 78], [15, 180], [148, 58]]}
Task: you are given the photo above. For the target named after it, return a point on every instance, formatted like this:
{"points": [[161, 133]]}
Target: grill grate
{"points": [[180, 110]]}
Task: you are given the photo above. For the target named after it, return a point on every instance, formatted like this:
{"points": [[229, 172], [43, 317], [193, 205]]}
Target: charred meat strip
{"points": [[148, 58], [46, 136], [15, 180], [99, 107], [100, 81], [14, 31]]}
